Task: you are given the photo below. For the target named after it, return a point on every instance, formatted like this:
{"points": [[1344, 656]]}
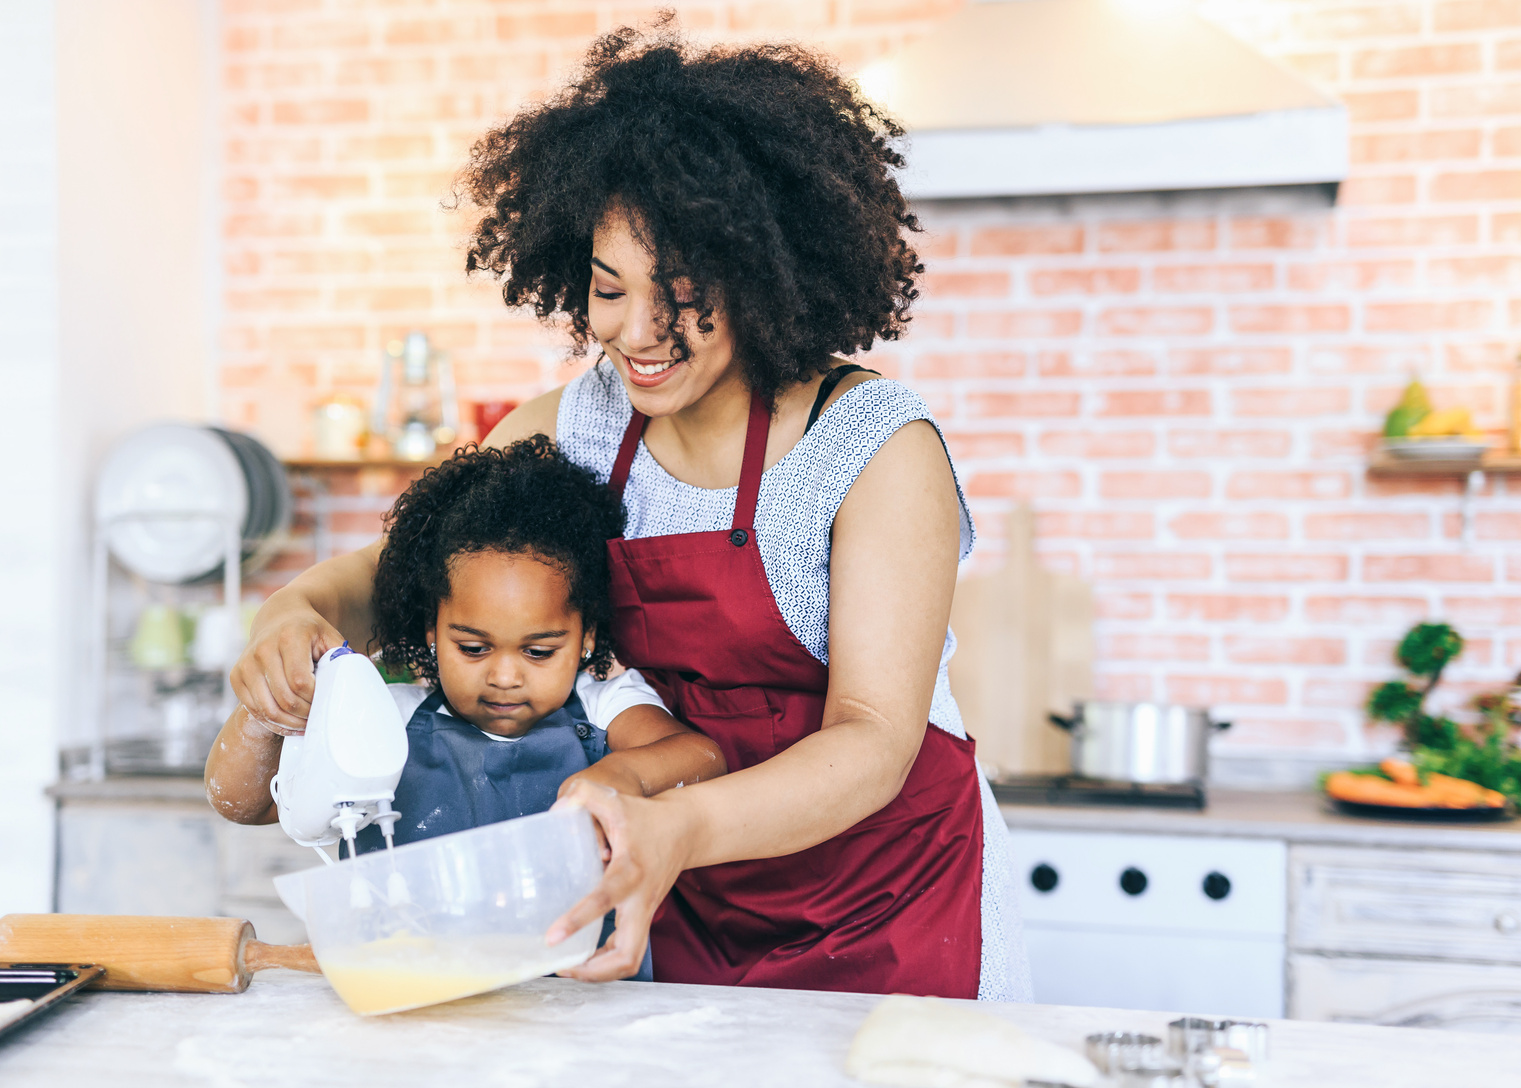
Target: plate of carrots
{"points": [[1396, 788]]}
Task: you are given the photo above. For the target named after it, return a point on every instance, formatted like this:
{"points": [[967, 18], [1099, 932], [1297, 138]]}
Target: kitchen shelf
{"points": [[1500, 462], [1384, 465], [313, 464]]}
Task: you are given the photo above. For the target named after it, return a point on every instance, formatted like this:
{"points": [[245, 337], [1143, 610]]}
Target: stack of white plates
{"points": [[167, 493]]}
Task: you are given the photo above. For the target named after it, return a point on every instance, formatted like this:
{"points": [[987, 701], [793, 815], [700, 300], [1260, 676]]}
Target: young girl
{"points": [[493, 588]]}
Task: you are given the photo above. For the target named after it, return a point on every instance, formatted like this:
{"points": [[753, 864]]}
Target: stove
{"points": [[1067, 789]]}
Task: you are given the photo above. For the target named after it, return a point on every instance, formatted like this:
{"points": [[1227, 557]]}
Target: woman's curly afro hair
{"points": [[525, 499], [758, 174]]}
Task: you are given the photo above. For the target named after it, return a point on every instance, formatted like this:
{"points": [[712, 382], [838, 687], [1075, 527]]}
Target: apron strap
{"points": [[754, 463], [625, 459], [756, 432]]}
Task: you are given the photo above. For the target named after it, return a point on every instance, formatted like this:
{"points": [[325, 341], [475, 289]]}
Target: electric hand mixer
{"points": [[341, 775]]}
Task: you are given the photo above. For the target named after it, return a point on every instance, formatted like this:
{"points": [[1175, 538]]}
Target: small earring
{"points": [[431, 650]]}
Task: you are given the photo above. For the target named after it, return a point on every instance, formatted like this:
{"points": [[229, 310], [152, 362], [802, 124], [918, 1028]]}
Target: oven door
{"points": [[1169, 923]]}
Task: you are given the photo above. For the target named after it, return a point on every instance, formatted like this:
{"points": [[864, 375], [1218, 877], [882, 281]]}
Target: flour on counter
{"points": [[674, 1023]]}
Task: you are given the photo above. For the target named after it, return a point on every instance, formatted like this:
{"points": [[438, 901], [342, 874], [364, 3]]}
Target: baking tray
{"points": [[43, 984], [1429, 815]]}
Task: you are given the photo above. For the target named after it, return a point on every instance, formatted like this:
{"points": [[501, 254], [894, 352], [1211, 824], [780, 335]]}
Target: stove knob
{"points": [[1044, 878], [1217, 885], [1133, 881]]}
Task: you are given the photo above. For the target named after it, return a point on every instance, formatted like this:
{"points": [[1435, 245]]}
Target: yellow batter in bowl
{"points": [[408, 972]]}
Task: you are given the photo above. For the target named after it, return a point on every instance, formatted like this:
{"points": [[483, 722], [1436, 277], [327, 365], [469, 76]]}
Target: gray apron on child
{"points": [[457, 778]]}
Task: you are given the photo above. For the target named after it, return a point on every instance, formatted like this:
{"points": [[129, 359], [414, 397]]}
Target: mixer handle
{"points": [[1219, 727], [1069, 724]]}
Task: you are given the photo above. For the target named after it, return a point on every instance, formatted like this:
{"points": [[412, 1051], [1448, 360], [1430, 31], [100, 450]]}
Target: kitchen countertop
{"points": [[290, 1029], [147, 789], [1298, 816]]}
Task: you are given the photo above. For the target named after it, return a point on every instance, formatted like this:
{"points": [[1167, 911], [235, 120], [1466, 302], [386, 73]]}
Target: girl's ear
{"points": [[432, 631], [588, 643]]}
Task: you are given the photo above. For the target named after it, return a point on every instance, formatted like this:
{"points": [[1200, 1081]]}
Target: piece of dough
{"points": [[926, 1042]]}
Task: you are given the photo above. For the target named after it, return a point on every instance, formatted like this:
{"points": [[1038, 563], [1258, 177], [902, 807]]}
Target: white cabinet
{"points": [[1405, 937]]}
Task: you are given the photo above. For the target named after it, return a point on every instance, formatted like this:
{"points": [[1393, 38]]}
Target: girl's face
{"points": [[622, 307], [507, 641]]}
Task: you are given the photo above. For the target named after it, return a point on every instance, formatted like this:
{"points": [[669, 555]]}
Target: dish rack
{"points": [[177, 504]]}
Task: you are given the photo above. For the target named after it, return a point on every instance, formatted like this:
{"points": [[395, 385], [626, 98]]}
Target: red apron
{"points": [[891, 905]]}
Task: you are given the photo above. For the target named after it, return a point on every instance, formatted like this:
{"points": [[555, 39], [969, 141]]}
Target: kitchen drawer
{"points": [[252, 856], [1440, 904], [1088, 892], [1405, 993]]}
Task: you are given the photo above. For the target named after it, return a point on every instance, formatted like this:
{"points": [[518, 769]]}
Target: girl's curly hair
{"points": [[527, 498], [759, 174]]}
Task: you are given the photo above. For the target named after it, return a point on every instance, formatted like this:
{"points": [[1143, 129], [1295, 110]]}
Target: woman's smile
{"points": [[650, 372]]}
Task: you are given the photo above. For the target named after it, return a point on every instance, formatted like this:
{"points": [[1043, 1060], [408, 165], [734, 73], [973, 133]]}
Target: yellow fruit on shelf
{"points": [[1448, 422]]}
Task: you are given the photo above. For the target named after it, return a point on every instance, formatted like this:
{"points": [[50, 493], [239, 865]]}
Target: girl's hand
{"points": [[649, 842], [608, 771], [274, 678]]}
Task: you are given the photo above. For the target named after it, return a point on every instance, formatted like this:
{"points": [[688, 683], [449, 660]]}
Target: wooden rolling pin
{"points": [[178, 955]]}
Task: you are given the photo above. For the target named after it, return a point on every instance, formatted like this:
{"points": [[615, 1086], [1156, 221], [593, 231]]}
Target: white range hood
{"points": [[1034, 97]]}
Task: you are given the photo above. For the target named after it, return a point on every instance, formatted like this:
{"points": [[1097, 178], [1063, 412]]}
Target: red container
{"points": [[488, 413]]}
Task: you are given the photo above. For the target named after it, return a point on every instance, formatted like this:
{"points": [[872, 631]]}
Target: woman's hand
{"points": [[649, 840], [274, 677]]}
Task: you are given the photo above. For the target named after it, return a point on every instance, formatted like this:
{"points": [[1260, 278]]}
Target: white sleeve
{"points": [[408, 698], [604, 700]]}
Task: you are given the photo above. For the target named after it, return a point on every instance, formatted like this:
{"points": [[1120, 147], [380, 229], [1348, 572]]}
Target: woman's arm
{"points": [[330, 602], [651, 752], [892, 575]]}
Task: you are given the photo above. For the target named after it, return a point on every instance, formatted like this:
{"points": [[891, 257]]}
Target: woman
{"points": [[720, 224]]}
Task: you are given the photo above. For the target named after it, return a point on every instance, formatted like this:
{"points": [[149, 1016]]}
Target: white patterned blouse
{"points": [[799, 497]]}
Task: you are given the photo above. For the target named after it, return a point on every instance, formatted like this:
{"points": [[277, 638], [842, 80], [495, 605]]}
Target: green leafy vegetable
{"points": [[1487, 755], [1427, 649]]}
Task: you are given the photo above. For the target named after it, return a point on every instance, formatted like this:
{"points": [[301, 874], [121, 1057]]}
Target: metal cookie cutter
{"points": [[1219, 1053], [1138, 1061], [1193, 1033]]}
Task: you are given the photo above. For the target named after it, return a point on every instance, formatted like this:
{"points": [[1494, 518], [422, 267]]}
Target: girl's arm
{"points": [[892, 574], [244, 758], [330, 602], [651, 752]]}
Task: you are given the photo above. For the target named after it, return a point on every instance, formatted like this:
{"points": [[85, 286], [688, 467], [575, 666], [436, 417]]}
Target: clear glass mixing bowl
{"points": [[452, 916]]}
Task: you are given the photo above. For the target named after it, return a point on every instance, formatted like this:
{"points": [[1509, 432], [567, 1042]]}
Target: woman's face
{"points": [[623, 309]]}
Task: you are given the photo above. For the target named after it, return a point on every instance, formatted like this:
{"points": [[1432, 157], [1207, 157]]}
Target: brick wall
{"points": [[1184, 386]]}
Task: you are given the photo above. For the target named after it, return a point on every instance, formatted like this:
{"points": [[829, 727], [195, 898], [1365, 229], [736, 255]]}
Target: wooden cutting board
{"points": [[1024, 648]]}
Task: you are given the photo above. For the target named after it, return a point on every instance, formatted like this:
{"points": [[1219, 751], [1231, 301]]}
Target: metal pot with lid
{"points": [[1140, 742]]}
